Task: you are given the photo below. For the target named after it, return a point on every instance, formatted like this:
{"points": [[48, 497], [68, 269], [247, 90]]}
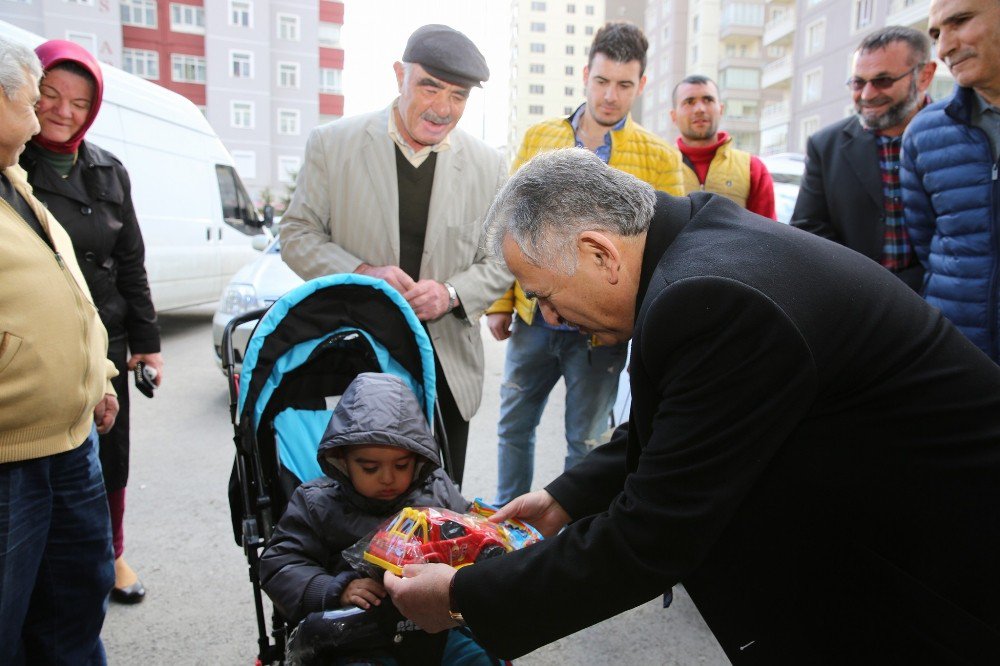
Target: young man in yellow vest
{"points": [[542, 348], [711, 163]]}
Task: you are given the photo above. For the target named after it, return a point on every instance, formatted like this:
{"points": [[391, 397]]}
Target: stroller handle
{"points": [[229, 356]]}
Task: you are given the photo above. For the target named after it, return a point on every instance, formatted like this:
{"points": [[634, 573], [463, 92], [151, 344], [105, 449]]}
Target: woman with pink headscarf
{"points": [[88, 190]]}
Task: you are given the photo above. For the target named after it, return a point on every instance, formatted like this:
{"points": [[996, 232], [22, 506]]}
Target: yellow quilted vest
{"points": [[728, 175]]}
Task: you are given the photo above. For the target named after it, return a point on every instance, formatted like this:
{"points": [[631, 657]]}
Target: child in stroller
{"points": [[378, 455]]}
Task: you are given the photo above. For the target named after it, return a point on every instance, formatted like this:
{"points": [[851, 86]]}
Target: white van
{"points": [[196, 217]]}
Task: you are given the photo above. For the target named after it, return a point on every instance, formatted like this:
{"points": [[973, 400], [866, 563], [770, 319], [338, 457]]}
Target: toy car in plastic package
{"points": [[427, 535]]}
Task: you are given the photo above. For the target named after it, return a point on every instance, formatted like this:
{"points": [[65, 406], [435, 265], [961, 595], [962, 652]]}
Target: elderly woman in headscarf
{"points": [[88, 190]]}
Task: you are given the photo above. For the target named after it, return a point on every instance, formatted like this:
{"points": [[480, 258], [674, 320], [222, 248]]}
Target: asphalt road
{"points": [[199, 606]]}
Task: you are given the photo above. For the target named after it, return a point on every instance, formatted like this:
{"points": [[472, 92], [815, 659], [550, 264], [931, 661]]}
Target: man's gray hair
{"points": [[16, 60], [919, 43], [560, 194]]}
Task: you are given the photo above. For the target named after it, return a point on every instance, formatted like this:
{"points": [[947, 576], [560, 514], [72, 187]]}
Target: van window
{"points": [[237, 208]]}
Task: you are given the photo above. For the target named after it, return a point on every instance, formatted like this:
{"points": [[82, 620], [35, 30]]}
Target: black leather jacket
{"points": [[94, 205]]}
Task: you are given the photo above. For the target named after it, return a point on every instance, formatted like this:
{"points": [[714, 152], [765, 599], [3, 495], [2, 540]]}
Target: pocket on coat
{"points": [[9, 344]]}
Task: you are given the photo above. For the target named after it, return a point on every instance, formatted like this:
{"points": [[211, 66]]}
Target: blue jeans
{"points": [[536, 357], [56, 560]]}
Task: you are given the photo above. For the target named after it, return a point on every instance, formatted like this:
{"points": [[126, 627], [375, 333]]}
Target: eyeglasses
{"points": [[857, 84]]}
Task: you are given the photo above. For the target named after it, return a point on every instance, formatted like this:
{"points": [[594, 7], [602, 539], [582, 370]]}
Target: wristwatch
{"points": [[454, 614], [452, 296]]}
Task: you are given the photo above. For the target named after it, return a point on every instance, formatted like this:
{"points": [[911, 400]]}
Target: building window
{"points": [[588, 30], [141, 63], [571, 9], [694, 53], [288, 74], [288, 121], [815, 34], [567, 110], [589, 10], [536, 110], [141, 13], [538, 6], [85, 3], [241, 13], [187, 18], [569, 91], [288, 168], [329, 34], [536, 68], [536, 89], [246, 163], [87, 40], [569, 70], [241, 114], [569, 49], [241, 64], [745, 78], [537, 27], [863, 10], [570, 29], [809, 126], [187, 68], [695, 22], [330, 80], [288, 27], [537, 48], [812, 85]]}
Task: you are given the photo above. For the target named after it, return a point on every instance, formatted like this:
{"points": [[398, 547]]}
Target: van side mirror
{"points": [[268, 215]]}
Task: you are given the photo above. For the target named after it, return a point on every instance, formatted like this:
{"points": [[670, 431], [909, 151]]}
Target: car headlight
{"points": [[239, 298]]}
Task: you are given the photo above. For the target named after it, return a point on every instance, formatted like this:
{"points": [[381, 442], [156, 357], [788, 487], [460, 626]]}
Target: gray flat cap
{"points": [[448, 55]]}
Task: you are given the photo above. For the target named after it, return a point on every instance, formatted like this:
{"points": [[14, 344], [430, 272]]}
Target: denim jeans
{"points": [[536, 357], [56, 561]]}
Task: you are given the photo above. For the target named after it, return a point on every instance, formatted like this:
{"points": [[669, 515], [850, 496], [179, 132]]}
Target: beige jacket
{"points": [[53, 351], [345, 211]]}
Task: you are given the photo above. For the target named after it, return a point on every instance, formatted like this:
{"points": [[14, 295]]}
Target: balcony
{"points": [[737, 28], [778, 113], [779, 31], [743, 62], [912, 13], [777, 74]]}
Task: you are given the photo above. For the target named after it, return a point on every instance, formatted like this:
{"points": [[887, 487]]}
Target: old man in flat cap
{"points": [[400, 194]]}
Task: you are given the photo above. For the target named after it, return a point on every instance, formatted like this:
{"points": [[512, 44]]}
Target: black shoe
{"points": [[132, 594]]}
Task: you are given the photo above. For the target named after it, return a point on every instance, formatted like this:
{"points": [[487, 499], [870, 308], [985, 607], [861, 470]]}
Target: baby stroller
{"points": [[304, 351]]}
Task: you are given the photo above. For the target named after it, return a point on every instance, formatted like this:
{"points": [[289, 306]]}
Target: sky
{"points": [[374, 36]]}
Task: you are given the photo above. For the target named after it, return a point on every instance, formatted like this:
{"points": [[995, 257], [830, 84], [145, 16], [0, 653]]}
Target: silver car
{"points": [[257, 285]]}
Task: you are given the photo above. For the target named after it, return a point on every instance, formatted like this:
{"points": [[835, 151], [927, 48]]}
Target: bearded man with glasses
{"points": [[850, 191]]}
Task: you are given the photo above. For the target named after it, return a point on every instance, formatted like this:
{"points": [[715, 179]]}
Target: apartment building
{"points": [[827, 33], [721, 39], [781, 65], [550, 41], [264, 72]]}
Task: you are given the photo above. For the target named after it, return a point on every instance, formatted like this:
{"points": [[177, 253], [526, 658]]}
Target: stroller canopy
{"points": [[295, 329]]}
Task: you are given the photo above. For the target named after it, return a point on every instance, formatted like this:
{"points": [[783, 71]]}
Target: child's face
{"points": [[380, 472]]}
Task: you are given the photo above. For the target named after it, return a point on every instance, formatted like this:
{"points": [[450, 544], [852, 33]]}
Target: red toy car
{"points": [[416, 536]]}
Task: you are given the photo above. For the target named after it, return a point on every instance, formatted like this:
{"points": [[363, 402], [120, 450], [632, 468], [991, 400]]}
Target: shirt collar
{"points": [[982, 106], [574, 120], [414, 157]]}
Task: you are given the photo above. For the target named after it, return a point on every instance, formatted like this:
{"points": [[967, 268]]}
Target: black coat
{"points": [[841, 195], [813, 451], [94, 205]]}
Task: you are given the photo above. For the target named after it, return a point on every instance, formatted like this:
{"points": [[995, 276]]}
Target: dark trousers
{"points": [[456, 428], [56, 563]]}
